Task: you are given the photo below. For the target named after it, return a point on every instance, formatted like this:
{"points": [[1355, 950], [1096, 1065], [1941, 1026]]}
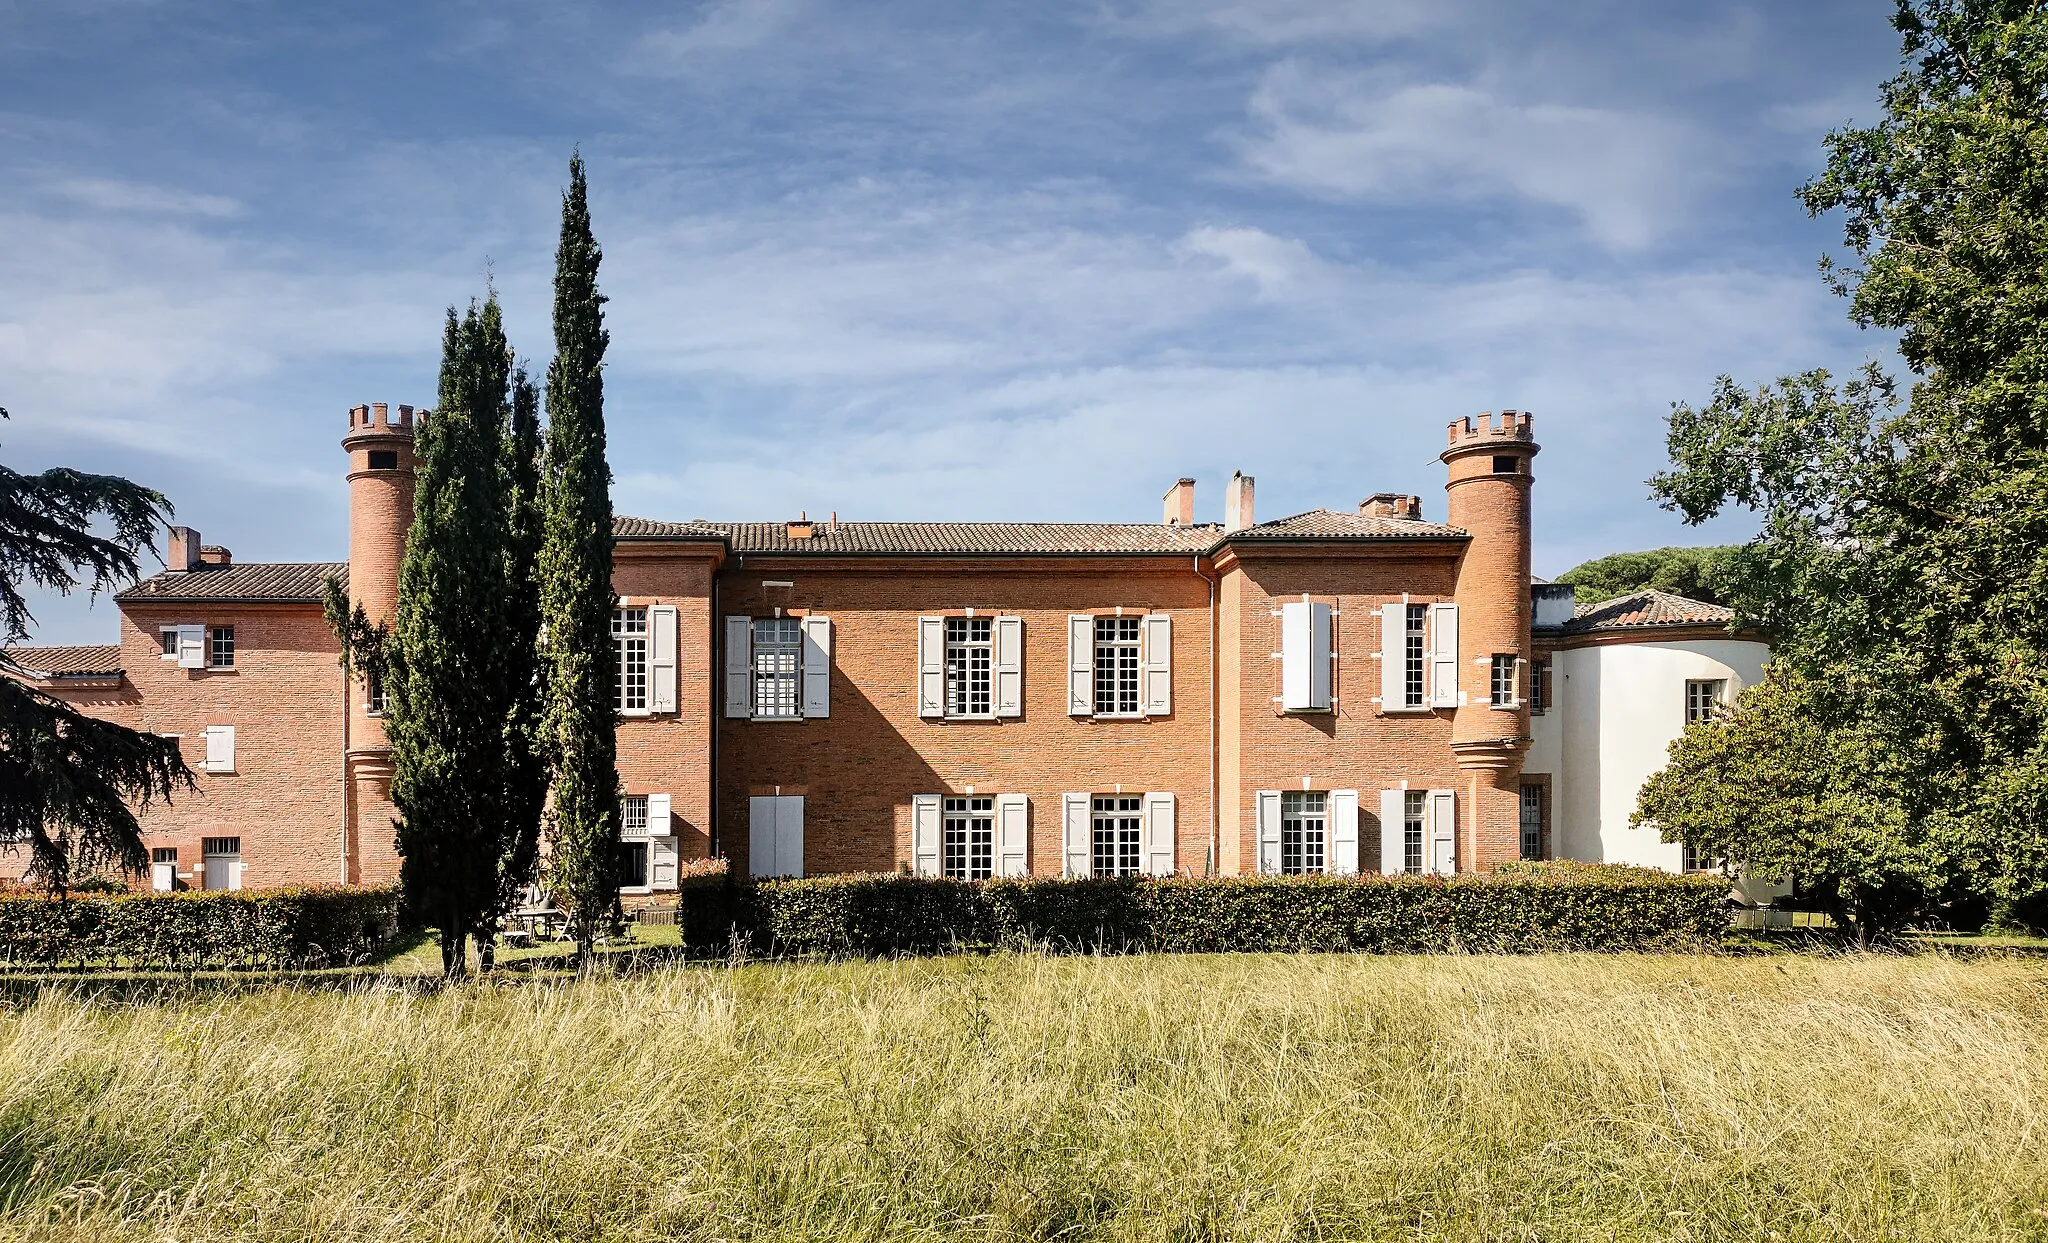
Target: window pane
{"points": [[1414, 803], [968, 843], [220, 647], [1118, 835], [1532, 822], [969, 657], [1503, 680], [778, 666], [1411, 684], [633, 865], [1304, 827], [629, 645], [1116, 666], [633, 815]]}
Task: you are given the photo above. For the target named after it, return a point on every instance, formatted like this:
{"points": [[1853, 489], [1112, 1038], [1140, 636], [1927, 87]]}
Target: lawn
{"points": [[1785, 1097]]}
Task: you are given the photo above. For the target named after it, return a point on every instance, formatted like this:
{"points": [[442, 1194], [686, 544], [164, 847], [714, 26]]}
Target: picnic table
{"points": [[536, 923]]}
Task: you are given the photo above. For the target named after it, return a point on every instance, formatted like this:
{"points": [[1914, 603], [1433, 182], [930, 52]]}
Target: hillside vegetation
{"points": [[1239, 1097]]}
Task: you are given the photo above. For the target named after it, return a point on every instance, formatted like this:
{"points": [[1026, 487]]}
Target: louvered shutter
{"points": [[661, 658], [220, 748], [660, 816], [1443, 655], [191, 647], [761, 835], [1008, 658], [1077, 834], [1080, 665], [1158, 662], [1159, 834], [739, 666], [1295, 641], [1322, 646], [931, 666], [817, 666], [924, 834], [1393, 657], [1441, 826], [663, 854], [1013, 835], [1393, 832], [1344, 832], [1266, 804]]}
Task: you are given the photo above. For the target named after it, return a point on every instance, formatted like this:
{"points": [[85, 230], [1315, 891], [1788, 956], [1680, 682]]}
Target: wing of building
{"points": [[1331, 691]]}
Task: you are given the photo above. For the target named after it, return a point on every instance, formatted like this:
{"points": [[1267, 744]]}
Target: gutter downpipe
{"points": [[1215, 816]]}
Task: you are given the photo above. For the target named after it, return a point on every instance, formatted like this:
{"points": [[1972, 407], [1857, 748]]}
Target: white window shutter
{"points": [[660, 816], [924, 834], [1393, 832], [1078, 834], [1322, 644], [817, 666], [191, 647], [1443, 655], [1008, 642], [1159, 834], [1441, 827], [931, 668], [661, 658], [1158, 664], [761, 835], [1296, 685], [739, 666], [663, 855], [1080, 665], [220, 748], [1393, 656], [1344, 832], [235, 874], [1013, 835], [1267, 805], [789, 835]]}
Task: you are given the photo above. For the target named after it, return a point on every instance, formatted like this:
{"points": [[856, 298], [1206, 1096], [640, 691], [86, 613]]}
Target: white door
{"points": [[775, 835], [163, 877], [223, 872]]}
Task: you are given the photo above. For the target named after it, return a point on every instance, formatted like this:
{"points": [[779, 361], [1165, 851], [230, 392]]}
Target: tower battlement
{"points": [[1509, 425], [380, 418]]}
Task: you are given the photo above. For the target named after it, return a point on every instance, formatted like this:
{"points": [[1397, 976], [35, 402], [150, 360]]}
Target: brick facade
{"points": [[309, 795]]}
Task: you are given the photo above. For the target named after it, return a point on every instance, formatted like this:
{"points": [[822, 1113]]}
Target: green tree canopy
{"points": [[1692, 572]]}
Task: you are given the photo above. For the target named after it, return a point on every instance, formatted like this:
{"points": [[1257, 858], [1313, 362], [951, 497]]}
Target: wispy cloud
{"points": [[109, 194]]}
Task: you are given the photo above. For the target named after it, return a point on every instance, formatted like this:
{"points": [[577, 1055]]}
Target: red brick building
{"points": [[1328, 691]]}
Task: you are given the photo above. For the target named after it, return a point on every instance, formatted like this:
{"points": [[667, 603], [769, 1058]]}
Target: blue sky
{"points": [[922, 260]]}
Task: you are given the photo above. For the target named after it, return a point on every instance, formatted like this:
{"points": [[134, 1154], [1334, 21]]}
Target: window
{"points": [[1116, 666], [221, 845], [1412, 656], [1532, 821], [1304, 832], [169, 636], [967, 848], [1693, 861], [969, 667], [163, 854], [633, 816], [1507, 465], [1503, 680], [1539, 687], [220, 647], [383, 459], [778, 666], [633, 864], [380, 701], [1414, 806], [1703, 700], [629, 644], [1119, 836]]}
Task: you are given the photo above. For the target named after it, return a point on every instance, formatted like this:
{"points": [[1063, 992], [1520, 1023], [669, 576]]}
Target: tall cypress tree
{"points": [[448, 667], [576, 590]]}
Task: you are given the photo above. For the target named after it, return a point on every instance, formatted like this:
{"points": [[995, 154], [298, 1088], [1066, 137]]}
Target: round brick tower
{"points": [[1490, 477], [380, 485]]}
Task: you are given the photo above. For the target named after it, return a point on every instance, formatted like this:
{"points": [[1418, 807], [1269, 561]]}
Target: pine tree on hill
{"points": [[69, 784], [450, 671], [576, 591]]}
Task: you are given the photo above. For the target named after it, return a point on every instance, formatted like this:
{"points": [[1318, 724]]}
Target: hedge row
{"points": [[1519, 912], [241, 929]]}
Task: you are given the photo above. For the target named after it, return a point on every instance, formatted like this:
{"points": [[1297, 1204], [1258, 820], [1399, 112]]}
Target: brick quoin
{"points": [[310, 797]]}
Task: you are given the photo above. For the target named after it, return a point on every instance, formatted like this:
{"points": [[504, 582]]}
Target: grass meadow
{"points": [[1779, 1097]]}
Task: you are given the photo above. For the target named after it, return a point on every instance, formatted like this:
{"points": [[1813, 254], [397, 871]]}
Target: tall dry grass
{"points": [[1021, 1097]]}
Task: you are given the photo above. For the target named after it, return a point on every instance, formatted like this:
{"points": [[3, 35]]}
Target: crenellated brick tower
{"points": [[380, 490], [1489, 463]]}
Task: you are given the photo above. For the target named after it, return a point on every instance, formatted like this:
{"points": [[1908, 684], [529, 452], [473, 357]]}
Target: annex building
{"points": [[1331, 691]]}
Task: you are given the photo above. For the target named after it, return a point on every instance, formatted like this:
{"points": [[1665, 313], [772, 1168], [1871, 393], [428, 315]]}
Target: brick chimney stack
{"points": [[1180, 503], [182, 551], [1391, 505], [1237, 502]]}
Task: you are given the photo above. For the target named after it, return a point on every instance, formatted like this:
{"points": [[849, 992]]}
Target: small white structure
{"points": [[1617, 683]]}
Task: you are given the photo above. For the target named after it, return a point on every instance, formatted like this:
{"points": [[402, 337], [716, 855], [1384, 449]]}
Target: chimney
{"points": [[801, 527], [183, 553], [1180, 503], [1237, 502], [214, 554], [1391, 505]]}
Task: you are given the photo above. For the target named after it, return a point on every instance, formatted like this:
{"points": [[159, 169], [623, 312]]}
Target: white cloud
{"points": [[724, 26], [1627, 175], [109, 194], [1279, 266], [1263, 24]]}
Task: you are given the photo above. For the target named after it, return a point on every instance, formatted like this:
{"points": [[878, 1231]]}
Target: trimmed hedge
{"points": [[1520, 912], [315, 926]]}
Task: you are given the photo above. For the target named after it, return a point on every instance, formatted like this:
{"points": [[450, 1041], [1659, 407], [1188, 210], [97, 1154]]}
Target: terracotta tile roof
{"points": [[1641, 610], [98, 660], [1330, 524], [258, 581], [624, 527]]}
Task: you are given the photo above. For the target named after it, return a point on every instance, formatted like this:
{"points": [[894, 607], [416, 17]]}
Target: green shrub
{"points": [[1584, 908], [312, 926]]}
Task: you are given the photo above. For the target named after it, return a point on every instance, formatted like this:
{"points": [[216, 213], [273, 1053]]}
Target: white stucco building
{"points": [[1617, 682]]}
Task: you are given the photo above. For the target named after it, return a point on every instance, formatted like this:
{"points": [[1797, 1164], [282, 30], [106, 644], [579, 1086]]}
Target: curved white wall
{"points": [[1615, 710]]}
